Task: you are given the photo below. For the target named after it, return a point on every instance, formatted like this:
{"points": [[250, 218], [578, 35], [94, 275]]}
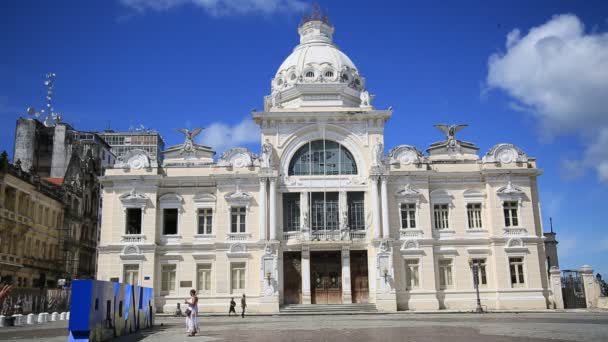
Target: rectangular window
{"points": [[204, 277], [167, 278], [205, 221], [131, 274], [474, 215], [237, 276], [237, 219], [445, 273], [408, 215], [170, 221], [510, 211], [291, 212], [482, 279], [356, 211], [133, 221], [411, 274], [324, 211], [516, 266], [441, 212]]}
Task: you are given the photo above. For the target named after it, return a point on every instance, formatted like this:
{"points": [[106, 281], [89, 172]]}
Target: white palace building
{"points": [[324, 215]]}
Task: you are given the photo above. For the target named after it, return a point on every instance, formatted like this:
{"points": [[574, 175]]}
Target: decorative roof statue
{"points": [[450, 133], [188, 146]]}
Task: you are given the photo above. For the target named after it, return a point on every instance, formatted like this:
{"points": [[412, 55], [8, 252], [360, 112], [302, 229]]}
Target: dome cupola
{"points": [[317, 73]]}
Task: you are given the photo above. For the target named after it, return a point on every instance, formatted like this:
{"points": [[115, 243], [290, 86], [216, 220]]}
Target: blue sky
{"points": [[189, 63]]}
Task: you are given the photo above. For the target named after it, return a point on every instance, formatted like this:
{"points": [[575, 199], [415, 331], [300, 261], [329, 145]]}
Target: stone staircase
{"points": [[328, 309]]}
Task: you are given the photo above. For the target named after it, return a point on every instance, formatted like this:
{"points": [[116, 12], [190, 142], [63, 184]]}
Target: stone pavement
{"points": [[493, 327]]}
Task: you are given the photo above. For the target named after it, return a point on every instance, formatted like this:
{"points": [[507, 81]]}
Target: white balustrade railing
{"points": [[133, 238], [238, 236], [405, 234], [357, 234], [514, 231], [325, 235], [295, 235]]}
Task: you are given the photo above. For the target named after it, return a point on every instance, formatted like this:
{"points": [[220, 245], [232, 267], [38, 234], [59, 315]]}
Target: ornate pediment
{"points": [[404, 155], [238, 157], [204, 199], [408, 192], [238, 197], [505, 154], [441, 196], [134, 199], [509, 190], [170, 200]]}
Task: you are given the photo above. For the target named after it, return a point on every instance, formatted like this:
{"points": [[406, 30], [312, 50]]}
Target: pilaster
{"points": [[263, 211], [306, 296], [385, 220], [346, 290], [375, 210], [273, 208]]}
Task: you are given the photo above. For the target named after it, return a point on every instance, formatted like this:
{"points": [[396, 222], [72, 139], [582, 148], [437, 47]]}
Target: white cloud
{"points": [[221, 7], [221, 136], [560, 74]]}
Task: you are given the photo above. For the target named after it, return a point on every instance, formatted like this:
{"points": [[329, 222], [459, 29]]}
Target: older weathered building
{"points": [[31, 217], [324, 215]]}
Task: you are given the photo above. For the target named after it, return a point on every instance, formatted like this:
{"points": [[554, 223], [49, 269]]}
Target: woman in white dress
{"points": [[192, 313]]}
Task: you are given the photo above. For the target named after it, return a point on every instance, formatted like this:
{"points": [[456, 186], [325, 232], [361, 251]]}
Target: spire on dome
{"points": [[316, 15]]}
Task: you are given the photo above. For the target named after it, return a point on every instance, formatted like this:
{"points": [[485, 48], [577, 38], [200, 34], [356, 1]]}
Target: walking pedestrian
{"points": [[192, 313], [232, 307], [243, 305]]}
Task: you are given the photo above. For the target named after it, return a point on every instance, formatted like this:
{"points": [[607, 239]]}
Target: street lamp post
{"points": [[475, 268]]}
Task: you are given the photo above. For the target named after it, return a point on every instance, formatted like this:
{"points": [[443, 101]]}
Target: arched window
{"points": [[329, 74], [310, 74], [322, 157]]}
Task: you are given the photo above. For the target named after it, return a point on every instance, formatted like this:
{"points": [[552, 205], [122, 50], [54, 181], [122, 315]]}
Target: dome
{"points": [[316, 66]]}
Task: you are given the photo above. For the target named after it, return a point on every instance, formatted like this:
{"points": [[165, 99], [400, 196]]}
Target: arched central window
{"points": [[322, 157]]}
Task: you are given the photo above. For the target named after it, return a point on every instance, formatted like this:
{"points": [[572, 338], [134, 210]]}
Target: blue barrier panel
{"points": [[102, 310]]}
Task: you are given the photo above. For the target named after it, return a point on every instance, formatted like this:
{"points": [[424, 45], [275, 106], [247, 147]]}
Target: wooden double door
{"points": [[326, 277], [359, 280], [292, 278]]}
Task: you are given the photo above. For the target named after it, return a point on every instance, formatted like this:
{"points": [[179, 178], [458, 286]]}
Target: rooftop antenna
{"points": [[551, 223], [51, 117]]}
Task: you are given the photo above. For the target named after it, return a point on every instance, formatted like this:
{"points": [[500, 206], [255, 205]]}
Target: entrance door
{"points": [[292, 278], [326, 277], [359, 278]]}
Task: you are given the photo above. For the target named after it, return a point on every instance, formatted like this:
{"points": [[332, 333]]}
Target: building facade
{"points": [[31, 217], [324, 215]]}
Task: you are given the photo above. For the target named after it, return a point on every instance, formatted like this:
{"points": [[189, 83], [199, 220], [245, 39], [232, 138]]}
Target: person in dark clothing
{"points": [[243, 305], [232, 307]]}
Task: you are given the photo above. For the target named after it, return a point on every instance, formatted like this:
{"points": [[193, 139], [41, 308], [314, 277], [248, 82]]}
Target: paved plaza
{"points": [[530, 327]]}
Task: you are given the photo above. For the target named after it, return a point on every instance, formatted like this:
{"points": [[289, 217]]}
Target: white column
{"points": [[273, 208], [346, 290], [262, 200], [375, 211], [306, 298], [385, 222]]}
